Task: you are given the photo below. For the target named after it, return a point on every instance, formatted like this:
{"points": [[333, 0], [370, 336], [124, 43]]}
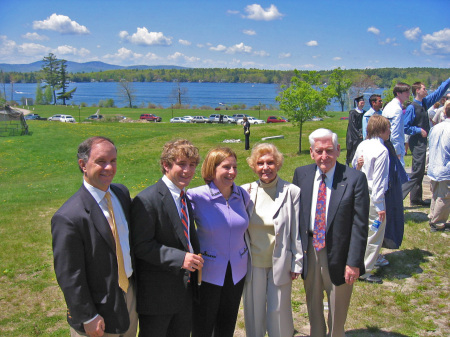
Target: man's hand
{"points": [[192, 262], [423, 133], [360, 163], [96, 328], [382, 215], [351, 274], [294, 276]]}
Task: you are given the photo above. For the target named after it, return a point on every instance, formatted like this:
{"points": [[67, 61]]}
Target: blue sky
{"points": [[288, 34]]}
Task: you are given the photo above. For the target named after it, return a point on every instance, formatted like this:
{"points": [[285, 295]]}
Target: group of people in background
{"points": [[177, 261]]}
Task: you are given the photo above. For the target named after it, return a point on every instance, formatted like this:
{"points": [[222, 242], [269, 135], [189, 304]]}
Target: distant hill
{"points": [[75, 67]]}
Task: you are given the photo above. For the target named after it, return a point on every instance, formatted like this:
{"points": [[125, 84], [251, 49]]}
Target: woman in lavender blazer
{"points": [[220, 212]]}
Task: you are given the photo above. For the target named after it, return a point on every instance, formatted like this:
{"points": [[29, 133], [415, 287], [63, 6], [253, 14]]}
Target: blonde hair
{"points": [[262, 149], [176, 149], [376, 125], [213, 159]]}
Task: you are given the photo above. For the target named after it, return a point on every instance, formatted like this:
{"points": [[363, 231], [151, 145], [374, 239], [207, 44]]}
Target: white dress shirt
{"points": [[328, 184]]}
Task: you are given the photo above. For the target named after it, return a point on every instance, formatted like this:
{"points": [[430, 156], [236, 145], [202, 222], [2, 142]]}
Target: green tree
{"points": [[338, 85], [39, 95], [50, 69], [303, 99], [63, 83], [48, 94]]}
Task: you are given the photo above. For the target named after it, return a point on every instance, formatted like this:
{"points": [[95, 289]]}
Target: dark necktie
{"points": [[320, 219], [184, 217]]}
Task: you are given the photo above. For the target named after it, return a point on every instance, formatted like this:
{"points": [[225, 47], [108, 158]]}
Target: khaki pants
{"points": [[440, 201]]}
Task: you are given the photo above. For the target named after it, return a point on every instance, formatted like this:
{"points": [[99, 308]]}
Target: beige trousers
{"points": [[131, 305], [440, 201]]}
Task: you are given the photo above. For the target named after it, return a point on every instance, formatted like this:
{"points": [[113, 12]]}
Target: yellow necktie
{"points": [[123, 279]]}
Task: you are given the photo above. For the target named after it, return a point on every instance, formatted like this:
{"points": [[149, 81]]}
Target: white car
{"points": [[54, 118], [178, 120], [188, 118], [251, 120], [199, 119], [67, 119]]}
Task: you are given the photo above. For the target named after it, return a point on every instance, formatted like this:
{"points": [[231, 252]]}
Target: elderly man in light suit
{"points": [[334, 214], [275, 247]]}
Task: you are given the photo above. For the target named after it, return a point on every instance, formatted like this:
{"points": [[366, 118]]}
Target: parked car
{"points": [[179, 120], [95, 117], [151, 117], [251, 120], [188, 118], [344, 118], [67, 119], [275, 119], [316, 119], [239, 116], [215, 118], [199, 119], [54, 118], [35, 117]]}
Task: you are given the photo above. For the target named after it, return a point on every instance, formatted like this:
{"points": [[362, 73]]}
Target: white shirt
{"points": [[394, 112], [328, 184], [175, 191], [119, 217], [376, 169]]}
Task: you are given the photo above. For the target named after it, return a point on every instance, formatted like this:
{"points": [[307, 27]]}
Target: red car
{"points": [[343, 118], [151, 117], [275, 119]]}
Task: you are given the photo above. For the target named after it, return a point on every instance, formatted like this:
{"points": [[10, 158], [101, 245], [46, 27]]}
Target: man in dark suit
{"points": [[93, 269], [334, 213], [166, 246]]}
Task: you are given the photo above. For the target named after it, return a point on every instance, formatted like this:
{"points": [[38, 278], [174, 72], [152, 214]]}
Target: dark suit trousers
{"points": [[317, 280], [175, 325], [418, 146], [218, 308]]}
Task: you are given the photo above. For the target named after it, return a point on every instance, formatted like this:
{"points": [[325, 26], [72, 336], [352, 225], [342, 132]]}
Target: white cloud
{"points": [[7, 47], [232, 12], [239, 48], [312, 43], [146, 38], [219, 47], [177, 55], [284, 55], [123, 54], [437, 43], [316, 56], [307, 66], [200, 45], [337, 58], [389, 40], [32, 49], [256, 12], [184, 42], [62, 24], [261, 53], [249, 32], [34, 37], [373, 30], [69, 50], [413, 33]]}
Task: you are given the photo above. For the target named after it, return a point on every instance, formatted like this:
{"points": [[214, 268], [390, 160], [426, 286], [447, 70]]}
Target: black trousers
{"points": [[418, 146], [247, 141], [217, 308]]}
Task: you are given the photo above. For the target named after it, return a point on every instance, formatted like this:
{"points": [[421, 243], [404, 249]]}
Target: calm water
{"points": [[161, 93]]}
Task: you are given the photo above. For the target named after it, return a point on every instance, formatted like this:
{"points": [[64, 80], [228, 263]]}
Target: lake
{"points": [[162, 93]]}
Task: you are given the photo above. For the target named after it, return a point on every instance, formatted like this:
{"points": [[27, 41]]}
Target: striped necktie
{"points": [[123, 279], [320, 219], [184, 218]]}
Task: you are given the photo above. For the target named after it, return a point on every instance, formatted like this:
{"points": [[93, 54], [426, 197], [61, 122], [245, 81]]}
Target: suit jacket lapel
{"points": [[98, 218], [337, 191], [172, 212]]}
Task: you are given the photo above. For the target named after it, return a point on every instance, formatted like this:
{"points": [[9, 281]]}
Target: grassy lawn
{"points": [[38, 173]]}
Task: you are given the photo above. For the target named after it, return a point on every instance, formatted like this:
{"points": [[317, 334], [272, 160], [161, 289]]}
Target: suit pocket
{"points": [[243, 252]]}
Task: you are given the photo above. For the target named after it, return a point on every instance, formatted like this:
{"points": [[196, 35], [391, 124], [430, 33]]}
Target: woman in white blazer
{"points": [[275, 246]]}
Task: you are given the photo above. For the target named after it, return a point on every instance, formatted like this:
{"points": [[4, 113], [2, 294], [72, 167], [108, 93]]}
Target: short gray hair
{"points": [[323, 133]]}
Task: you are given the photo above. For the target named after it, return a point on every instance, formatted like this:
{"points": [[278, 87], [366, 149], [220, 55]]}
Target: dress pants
{"points": [[178, 324], [267, 307], [440, 201], [247, 141], [317, 280], [217, 308], [374, 241], [418, 146], [130, 298]]}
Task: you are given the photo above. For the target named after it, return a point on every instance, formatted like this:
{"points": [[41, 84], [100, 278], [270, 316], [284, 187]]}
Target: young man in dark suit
{"points": [[166, 246], [92, 255], [334, 213]]}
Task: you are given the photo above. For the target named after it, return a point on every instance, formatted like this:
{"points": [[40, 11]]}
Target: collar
{"points": [[95, 192], [215, 193], [329, 175], [417, 101], [174, 189]]}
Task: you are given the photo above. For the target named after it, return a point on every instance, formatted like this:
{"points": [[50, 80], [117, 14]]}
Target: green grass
{"points": [[38, 173]]}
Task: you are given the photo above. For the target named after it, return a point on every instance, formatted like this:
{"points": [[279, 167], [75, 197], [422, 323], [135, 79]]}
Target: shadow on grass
{"points": [[372, 332], [404, 263], [416, 217]]}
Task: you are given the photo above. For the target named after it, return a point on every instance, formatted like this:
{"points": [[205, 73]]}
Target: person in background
{"points": [[92, 253], [276, 250], [354, 129], [417, 126], [246, 124], [334, 215], [439, 174], [394, 112], [432, 111], [372, 158], [166, 245], [376, 103], [220, 212], [440, 115]]}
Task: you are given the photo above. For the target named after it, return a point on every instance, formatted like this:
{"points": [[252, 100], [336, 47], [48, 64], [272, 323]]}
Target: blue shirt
{"points": [[393, 111], [365, 120], [439, 143], [410, 128]]}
